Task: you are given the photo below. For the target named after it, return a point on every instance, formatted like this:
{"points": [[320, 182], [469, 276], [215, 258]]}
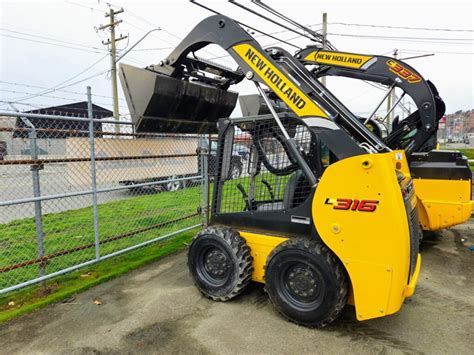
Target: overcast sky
{"points": [[45, 43]]}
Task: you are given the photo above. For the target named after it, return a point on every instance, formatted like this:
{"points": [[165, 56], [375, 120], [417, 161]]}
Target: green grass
{"points": [[469, 153], [28, 299], [74, 228], [232, 200], [119, 222]]}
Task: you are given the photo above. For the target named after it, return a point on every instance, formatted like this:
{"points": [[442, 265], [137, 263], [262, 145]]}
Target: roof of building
{"points": [[76, 109]]}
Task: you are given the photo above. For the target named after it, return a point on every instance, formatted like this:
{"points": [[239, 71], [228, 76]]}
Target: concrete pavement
{"points": [[157, 310]]}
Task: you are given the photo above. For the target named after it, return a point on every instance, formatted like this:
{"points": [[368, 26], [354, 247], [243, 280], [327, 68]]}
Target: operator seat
{"points": [[296, 191]]}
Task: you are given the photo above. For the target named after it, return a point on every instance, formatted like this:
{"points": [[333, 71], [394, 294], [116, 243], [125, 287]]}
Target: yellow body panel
{"points": [[261, 246], [373, 246], [443, 203]]}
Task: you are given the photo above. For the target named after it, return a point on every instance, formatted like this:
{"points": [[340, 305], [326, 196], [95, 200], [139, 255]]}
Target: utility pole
{"points": [[325, 39], [391, 97], [113, 55]]}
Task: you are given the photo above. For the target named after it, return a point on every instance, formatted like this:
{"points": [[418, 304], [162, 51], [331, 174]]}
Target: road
{"points": [[17, 184], [156, 309]]}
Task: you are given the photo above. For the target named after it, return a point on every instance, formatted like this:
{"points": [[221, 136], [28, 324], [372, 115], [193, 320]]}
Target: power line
{"points": [[84, 6], [403, 38], [267, 45], [153, 49], [44, 87], [401, 27], [162, 29], [436, 52], [54, 97], [52, 39], [52, 44], [47, 91], [379, 87], [65, 86]]}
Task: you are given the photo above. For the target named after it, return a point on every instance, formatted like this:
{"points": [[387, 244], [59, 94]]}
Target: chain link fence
{"points": [[75, 191]]}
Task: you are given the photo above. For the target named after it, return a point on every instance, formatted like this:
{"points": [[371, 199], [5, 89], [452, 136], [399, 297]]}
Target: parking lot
{"points": [[156, 309]]}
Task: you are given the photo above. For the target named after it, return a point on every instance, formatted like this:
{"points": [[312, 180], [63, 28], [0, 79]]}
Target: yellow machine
{"points": [[442, 179], [341, 233], [345, 239], [317, 216]]}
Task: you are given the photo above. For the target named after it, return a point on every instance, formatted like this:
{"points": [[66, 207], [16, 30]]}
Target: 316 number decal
{"points": [[347, 204]]}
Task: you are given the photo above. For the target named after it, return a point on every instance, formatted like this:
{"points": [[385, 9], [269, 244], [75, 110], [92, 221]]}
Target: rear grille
{"points": [[414, 237], [413, 222]]}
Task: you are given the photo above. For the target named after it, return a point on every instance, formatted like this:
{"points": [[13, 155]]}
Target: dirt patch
{"points": [[163, 338]]}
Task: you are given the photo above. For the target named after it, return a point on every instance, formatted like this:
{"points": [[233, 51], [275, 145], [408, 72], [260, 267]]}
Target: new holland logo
{"points": [[300, 103], [347, 60]]}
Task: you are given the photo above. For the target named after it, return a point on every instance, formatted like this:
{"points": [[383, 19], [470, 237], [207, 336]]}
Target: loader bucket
{"points": [[162, 104]]}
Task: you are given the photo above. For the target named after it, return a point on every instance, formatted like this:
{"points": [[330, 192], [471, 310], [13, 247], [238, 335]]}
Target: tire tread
{"points": [[240, 250], [318, 249]]}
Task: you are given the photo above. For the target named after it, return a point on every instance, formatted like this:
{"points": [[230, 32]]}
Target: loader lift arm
{"points": [[392, 73], [384, 70], [277, 69]]}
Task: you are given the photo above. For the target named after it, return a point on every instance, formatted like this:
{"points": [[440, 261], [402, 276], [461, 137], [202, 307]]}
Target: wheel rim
{"points": [[214, 265], [173, 186], [301, 285], [235, 172]]}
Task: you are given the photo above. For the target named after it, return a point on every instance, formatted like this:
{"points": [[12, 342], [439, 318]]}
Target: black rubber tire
{"points": [[305, 282], [215, 250]]}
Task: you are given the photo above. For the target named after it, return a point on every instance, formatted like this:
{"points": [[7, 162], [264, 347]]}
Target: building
{"points": [[59, 128], [51, 133], [458, 126]]}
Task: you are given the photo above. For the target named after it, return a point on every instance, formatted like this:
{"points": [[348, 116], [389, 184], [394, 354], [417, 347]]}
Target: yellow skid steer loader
{"points": [[319, 233]]}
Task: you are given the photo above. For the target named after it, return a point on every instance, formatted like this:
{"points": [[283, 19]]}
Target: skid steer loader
{"points": [[442, 179], [319, 233]]}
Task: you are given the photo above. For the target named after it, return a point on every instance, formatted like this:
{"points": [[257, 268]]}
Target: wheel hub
{"points": [[301, 282], [216, 263], [235, 172], [172, 186]]}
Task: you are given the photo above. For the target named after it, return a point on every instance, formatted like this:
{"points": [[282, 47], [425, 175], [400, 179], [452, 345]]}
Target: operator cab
{"points": [[272, 186]]}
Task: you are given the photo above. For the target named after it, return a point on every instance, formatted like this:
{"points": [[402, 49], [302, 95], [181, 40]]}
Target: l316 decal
{"points": [[347, 204]]}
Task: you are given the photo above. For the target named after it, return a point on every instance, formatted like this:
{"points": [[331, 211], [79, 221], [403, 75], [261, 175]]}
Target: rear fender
{"points": [[372, 239]]}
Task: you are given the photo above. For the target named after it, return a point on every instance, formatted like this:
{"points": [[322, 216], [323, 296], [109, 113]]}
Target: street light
{"points": [[135, 44]]}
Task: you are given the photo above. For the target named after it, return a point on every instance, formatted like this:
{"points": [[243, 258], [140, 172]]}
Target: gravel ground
{"points": [[156, 309]]}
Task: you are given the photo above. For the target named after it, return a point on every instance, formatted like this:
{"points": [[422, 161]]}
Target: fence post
{"points": [[93, 174], [35, 178], [204, 163]]}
